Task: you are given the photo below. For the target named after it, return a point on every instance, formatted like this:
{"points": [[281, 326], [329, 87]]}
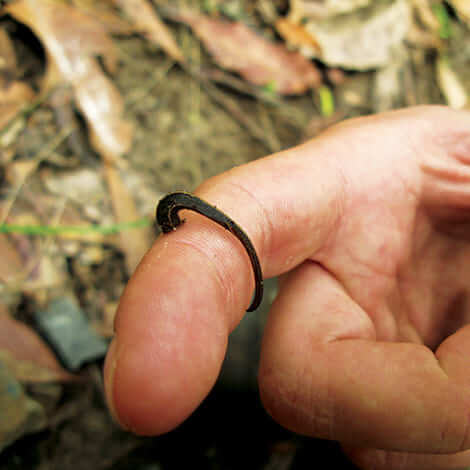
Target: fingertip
{"points": [[168, 349], [108, 373]]}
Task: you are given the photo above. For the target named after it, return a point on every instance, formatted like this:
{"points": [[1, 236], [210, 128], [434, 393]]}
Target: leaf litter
{"points": [[173, 136]]}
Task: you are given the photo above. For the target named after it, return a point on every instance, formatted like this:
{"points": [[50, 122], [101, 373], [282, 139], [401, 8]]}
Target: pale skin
{"points": [[368, 226]]}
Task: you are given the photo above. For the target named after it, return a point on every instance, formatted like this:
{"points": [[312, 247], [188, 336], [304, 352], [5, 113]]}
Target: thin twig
{"points": [[232, 107]]}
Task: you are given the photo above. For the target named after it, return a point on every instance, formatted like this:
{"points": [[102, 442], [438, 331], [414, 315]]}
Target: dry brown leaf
{"points": [[7, 54], [135, 244], [149, 24], [106, 15], [296, 35], [26, 355], [262, 62], [72, 39]]}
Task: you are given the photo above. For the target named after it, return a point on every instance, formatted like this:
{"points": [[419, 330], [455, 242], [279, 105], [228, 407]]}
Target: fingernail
{"points": [[109, 369]]}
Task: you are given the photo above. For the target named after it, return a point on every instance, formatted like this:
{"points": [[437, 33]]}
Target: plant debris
{"points": [[236, 47]]}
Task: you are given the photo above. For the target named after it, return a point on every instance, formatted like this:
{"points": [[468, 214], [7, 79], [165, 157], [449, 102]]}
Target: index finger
{"points": [[194, 285]]}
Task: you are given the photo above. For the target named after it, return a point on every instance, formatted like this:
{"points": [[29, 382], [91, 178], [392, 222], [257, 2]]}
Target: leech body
{"points": [[168, 220]]}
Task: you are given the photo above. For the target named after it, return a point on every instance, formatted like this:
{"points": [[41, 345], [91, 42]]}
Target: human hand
{"points": [[366, 342]]}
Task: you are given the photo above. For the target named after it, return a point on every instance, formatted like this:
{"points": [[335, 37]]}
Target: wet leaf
{"points": [[236, 47], [149, 24], [26, 355], [72, 40]]}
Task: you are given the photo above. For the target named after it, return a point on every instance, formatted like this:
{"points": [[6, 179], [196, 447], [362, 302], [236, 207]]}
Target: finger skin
{"points": [[194, 285], [324, 374], [372, 459]]}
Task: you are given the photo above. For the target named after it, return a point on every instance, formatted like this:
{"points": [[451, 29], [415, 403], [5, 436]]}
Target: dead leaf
{"points": [[7, 56], [26, 355], [135, 244], [72, 39], [323, 9], [262, 62], [451, 85], [357, 40], [296, 35], [104, 13], [149, 24]]}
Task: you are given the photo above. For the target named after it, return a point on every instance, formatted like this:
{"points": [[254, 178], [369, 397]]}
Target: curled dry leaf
{"points": [[236, 47], [72, 39], [26, 355]]}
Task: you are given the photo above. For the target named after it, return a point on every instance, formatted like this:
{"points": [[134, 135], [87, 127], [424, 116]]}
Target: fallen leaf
{"points": [[425, 14], [72, 40], [26, 355], [149, 24], [324, 9], [236, 47], [451, 85], [106, 14], [134, 244], [296, 35], [357, 40], [7, 56]]}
